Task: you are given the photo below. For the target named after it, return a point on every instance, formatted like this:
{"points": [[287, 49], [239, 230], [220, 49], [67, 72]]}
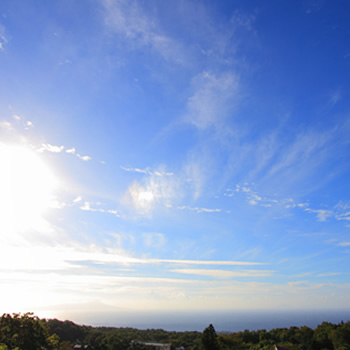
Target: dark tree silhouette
{"points": [[210, 338]]}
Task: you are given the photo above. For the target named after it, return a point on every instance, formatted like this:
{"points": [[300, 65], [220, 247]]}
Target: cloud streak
{"points": [[147, 171], [223, 274], [199, 210], [47, 147], [3, 39], [87, 207]]}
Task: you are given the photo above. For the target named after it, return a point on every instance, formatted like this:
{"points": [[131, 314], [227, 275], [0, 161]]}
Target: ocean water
{"points": [[229, 321]]}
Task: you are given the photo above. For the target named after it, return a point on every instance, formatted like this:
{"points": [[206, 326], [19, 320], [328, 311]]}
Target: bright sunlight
{"points": [[26, 187]]}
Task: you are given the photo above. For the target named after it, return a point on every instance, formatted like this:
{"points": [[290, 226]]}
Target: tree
{"points": [[210, 339], [25, 332], [341, 337], [322, 336]]}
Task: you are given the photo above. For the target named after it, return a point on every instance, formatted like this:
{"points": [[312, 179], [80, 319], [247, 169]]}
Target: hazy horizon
{"points": [[223, 321]]}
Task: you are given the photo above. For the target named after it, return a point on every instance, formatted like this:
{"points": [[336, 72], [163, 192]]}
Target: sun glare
{"points": [[26, 187]]}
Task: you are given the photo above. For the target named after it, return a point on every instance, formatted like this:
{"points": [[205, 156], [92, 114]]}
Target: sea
{"points": [[223, 321]]}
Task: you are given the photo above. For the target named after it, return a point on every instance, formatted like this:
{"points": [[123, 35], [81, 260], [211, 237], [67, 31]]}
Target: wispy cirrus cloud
{"points": [[87, 206], [206, 262], [243, 19], [129, 19], [156, 189], [3, 39], [163, 189], [291, 158], [199, 209], [216, 273], [154, 239], [340, 212], [344, 216], [307, 151], [328, 274], [213, 98], [17, 121], [322, 214], [335, 97], [147, 171], [255, 199], [6, 125], [27, 124]]}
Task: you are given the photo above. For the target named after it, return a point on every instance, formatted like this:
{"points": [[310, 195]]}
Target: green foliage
{"points": [[326, 336], [25, 332], [68, 330], [28, 332], [322, 336], [341, 337], [66, 345]]}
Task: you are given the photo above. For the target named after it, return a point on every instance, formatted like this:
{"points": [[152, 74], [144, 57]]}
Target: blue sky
{"points": [[174, 155]]}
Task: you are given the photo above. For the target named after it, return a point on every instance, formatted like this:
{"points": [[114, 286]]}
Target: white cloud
{"points": [[344, 216], [148, 171], [77, 199], [84, 158], [71, 150], [50, 148], [302, 205], [199, 210], [87, 207], [111, 211], [255, 199], [142, 198], [212, 99], [322, 214], [26, 124], [344, 244], [5, 125], [153, 191], [136, 170], [3, 40]]}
